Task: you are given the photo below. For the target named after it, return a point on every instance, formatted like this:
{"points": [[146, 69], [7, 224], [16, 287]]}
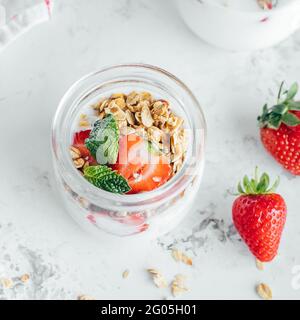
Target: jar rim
{"points": [[131, 200]]}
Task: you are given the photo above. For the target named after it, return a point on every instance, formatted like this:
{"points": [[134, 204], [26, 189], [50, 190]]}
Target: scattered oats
{"points": [[158, 278], [125, 274], [160, 281], [85, 297], [187, 260], [7, 283], [25, 278], [178, 285], [176, 254], [259, 264], [179, 256], [153, 271], [181, 279], [264, 291], [75, 153]]}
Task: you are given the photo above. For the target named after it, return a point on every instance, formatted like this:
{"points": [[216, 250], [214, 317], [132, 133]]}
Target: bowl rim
{"points": [[245, 12]]}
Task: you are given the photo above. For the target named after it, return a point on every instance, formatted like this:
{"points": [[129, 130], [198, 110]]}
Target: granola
{"points": [[138, 114], [151, 118]]}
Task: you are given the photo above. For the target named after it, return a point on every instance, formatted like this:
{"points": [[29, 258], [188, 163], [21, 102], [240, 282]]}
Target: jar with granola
{"points": [[128, 150]]}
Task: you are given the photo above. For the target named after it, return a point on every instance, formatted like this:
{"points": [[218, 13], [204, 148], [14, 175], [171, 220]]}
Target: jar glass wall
{"points": [[154, 212]]}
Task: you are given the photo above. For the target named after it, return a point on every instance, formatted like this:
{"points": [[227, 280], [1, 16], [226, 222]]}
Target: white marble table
{"points": [[39, 238]]}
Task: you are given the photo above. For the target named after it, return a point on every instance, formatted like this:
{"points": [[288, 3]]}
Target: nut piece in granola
{"points": [[79, 163], [75, 153], [264, 291], [146, 117]]}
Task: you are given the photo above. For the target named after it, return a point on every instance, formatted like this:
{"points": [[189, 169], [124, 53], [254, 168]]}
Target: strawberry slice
{"points": [[79, 143], [143, 170]]}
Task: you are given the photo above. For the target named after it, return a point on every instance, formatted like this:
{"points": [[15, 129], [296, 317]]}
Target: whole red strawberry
{"points": [[280, 129], [259, 215]]}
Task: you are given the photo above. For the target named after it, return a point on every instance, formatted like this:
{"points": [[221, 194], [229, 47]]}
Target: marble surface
{"points": [[39, 238]]}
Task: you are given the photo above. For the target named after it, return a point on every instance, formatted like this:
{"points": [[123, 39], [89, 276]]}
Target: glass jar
{"points": [[155, 212]]}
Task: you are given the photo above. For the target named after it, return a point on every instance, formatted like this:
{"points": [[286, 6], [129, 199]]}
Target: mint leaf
{"points": [[106, 179], [103, 142]]}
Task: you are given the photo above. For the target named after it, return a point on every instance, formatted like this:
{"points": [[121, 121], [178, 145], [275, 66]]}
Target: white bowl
{"points": [[238, 29]]}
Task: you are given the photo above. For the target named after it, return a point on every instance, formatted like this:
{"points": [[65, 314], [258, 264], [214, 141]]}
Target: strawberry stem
{"points": [[258, 185], [281, 112]]}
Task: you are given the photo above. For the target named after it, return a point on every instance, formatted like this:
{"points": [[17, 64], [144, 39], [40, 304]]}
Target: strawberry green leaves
{"points": [[103, 142], [257, 185], [106, 179], [281, 112], [291, 93]]}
